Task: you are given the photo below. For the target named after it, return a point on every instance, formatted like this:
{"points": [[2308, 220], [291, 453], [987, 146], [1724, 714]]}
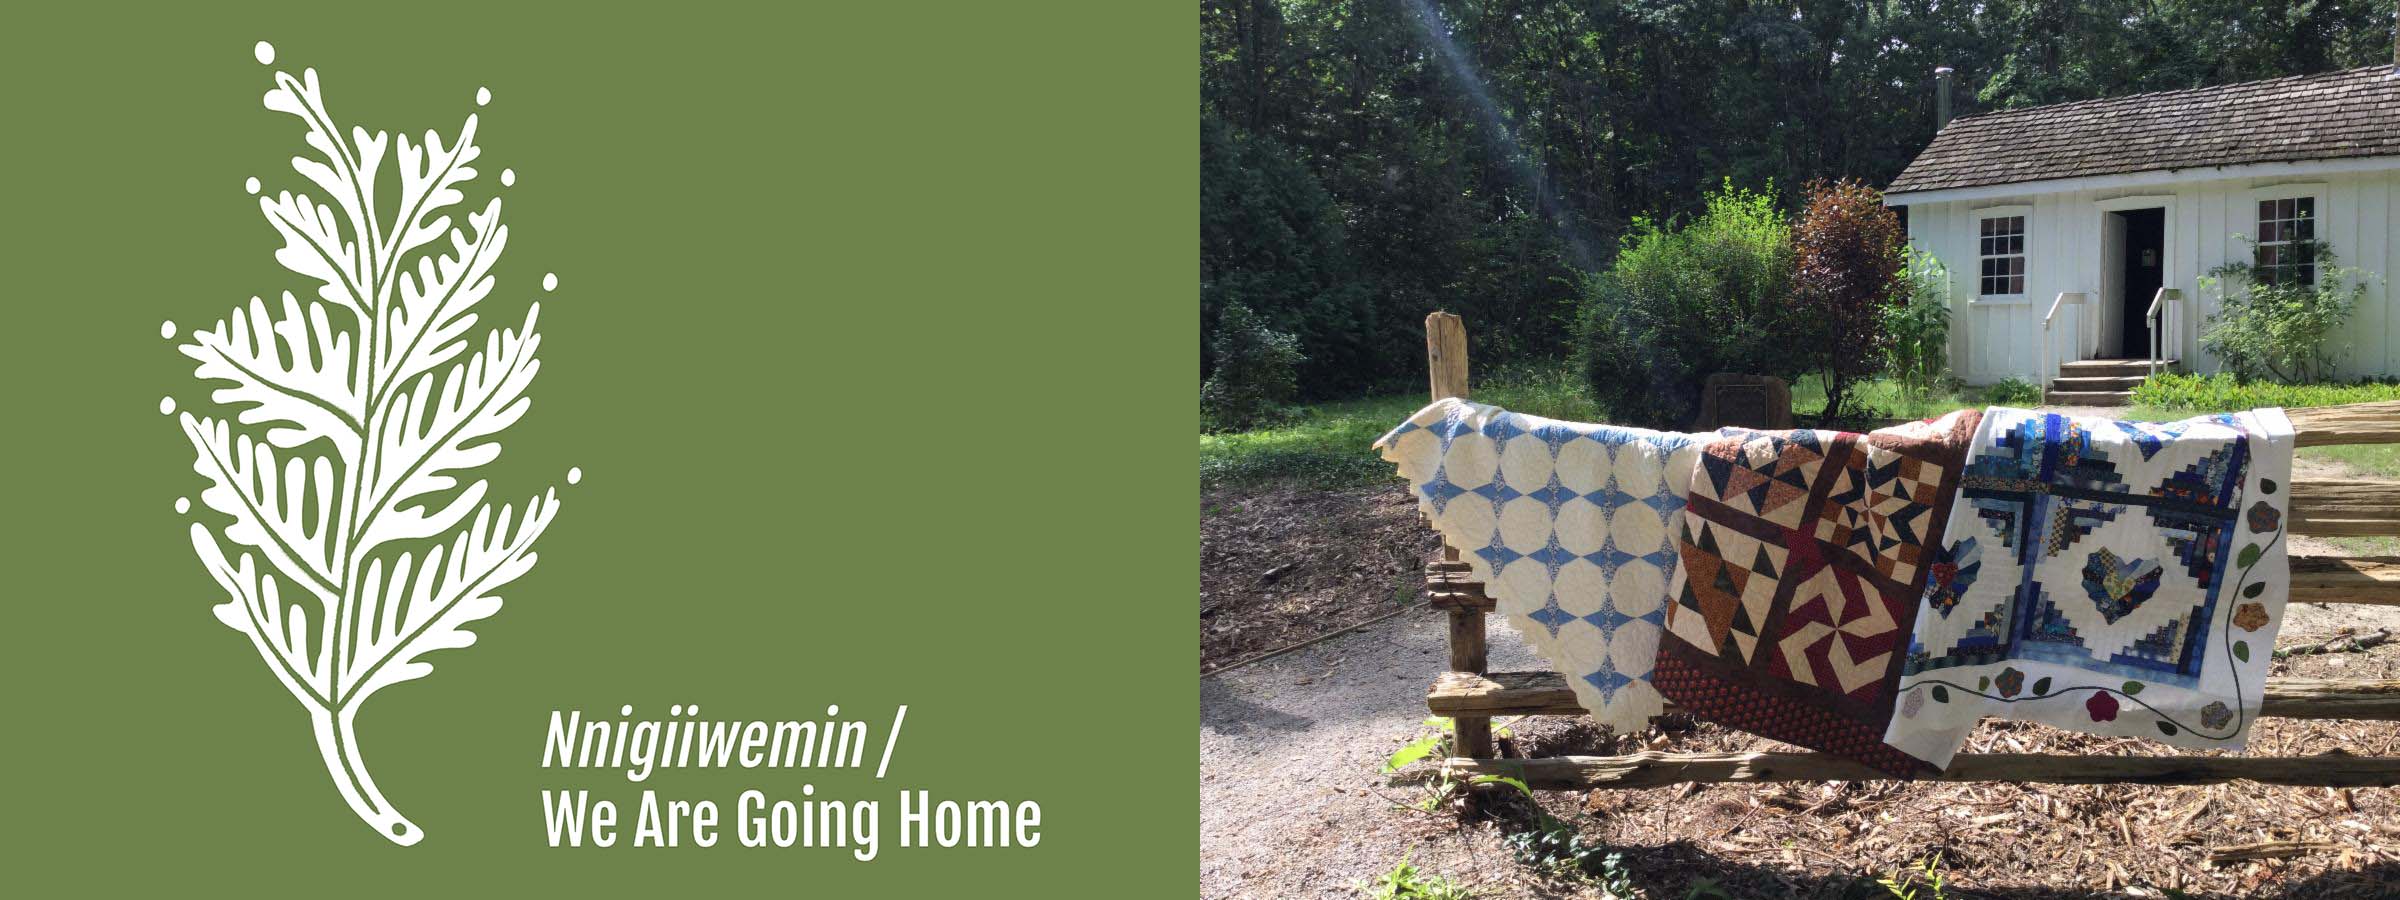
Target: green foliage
{"points": [[1919, 325], [1683, 303], [2173, 393], [1257, 372], [1554, 845], [1924, 882], [2013, 391], [1406, 882], [2279, 330], [1422, 747], [1847, 253], [1271, 243]]}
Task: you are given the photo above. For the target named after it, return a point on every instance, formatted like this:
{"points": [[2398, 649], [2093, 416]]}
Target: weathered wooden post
{"points": [[1446, 360]]}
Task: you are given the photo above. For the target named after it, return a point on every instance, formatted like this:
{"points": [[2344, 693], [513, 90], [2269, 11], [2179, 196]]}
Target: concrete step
{"points": [[2089, 398], [2097, 383], [2097, 367]]}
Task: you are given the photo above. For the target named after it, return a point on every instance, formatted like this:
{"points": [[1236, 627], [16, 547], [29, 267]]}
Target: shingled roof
{"points": [[2304, 117]]}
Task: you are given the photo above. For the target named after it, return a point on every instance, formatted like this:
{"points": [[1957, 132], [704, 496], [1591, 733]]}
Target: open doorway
{"points": [[2139, 260]]}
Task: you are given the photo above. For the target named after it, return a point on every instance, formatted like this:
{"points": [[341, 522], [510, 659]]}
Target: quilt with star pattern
{"points": [[1802, 557], [1568, 527], [2109, 577]]}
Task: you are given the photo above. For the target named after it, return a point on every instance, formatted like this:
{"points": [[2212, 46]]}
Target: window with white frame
{"points": [[2287, 241], [2001, 249]]}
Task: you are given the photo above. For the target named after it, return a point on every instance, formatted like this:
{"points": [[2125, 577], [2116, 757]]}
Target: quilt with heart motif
{"points": [[1566, 525], [1803, 553], [2109, 577]]}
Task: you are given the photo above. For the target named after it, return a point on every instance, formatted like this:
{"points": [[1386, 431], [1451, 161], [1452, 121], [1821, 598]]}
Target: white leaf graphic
{"points": [[359, 540]]}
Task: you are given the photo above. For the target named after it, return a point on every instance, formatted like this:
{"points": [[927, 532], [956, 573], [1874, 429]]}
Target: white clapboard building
{"points": [[2078, 235]]}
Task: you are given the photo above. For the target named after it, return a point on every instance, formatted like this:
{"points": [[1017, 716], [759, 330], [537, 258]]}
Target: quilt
{"points": [[2108, 577], [1567, 525], [1803, 557]]}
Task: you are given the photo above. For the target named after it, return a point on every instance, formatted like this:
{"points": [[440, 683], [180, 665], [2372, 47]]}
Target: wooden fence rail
{"points": [[1471, 696]]}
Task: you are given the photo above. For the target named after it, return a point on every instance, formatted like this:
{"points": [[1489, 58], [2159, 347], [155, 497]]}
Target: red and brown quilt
{"points": [[1804, 554]]}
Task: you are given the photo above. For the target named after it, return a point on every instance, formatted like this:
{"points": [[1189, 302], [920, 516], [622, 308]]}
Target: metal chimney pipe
{"points": [[1941, 96]]}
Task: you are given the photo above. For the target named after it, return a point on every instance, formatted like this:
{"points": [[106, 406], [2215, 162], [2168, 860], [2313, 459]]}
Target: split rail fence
{"points": [[1472, 696]]}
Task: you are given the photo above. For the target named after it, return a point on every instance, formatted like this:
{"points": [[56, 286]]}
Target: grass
{"points": [[2208, 393], [1326, 446], [1884, 397]]}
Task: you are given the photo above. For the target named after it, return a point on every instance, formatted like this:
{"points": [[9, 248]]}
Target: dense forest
{"points": [[1366, 161]]}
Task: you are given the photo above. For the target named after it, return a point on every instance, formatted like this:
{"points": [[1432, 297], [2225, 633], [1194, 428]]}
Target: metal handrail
{"points": [[2157, 316], [2047, 372]]}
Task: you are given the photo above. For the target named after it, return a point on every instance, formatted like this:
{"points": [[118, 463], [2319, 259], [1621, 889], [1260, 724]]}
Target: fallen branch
{"points": [[2341, 643], [1287, 648], [2267, 850]]}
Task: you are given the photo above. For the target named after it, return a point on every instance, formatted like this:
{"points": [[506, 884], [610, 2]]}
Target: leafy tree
{"points": [[1847, 253], [1271, 241], [1256, 372]]}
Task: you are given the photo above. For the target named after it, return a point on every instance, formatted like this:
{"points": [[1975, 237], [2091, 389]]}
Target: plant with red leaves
{"points": [[1848, 259]]}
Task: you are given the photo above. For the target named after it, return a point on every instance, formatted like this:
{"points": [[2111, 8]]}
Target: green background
{"points": [[873, 340]]}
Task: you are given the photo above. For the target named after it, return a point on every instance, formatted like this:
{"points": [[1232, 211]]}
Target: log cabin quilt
{"points": [[2109, 577], [1803, 555], [1567, 526]]}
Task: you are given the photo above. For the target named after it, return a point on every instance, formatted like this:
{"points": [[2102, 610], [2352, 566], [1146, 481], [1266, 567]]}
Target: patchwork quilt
{"points": [[2108, 577], [1803, 556], [1567, 525]]}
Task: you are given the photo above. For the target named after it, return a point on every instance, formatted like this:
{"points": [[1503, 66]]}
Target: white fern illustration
{"points": [[362, 538]]}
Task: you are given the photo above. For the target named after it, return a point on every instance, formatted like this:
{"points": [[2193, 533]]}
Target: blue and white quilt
{"points": [[1567, 525], [2108, 577]]}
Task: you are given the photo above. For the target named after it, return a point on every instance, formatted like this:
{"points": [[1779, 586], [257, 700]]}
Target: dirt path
{"points": [[1291, 805]]}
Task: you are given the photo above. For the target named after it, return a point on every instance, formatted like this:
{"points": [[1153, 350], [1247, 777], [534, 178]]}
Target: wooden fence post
{"points": [[1446, 361]]}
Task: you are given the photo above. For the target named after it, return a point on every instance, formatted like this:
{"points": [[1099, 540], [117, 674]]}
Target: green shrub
{"points": [[2267, 329], [1848, 262], [2224, 392], [1257, 372], [1919, 326], [1682, 303], [2013, 391]]}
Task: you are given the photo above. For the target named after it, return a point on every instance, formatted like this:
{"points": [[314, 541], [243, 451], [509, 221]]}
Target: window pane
{"points": [[2305, 207], [2270, 230], [2268, 257], [2016, 284], [2016, 244], [2301, 230]]}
